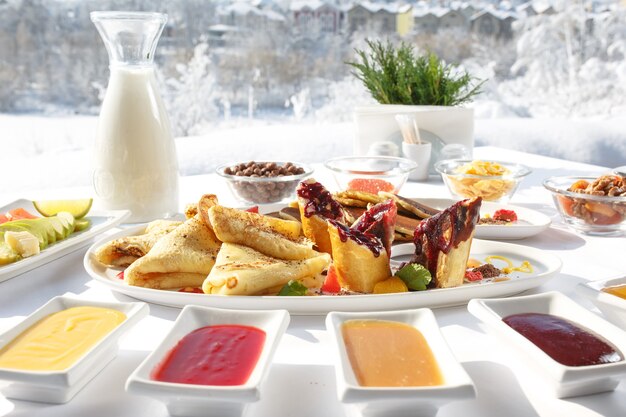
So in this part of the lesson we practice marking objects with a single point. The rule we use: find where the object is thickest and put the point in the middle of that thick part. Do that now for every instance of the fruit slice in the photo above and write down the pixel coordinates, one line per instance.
(19, 214)
(7, 255)
(20, 226)
(82, 224)
(78, 208)
(371, 185)
(68, 220)
(58, 226)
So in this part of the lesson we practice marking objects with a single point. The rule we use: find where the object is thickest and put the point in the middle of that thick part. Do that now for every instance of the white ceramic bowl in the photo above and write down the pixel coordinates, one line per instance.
(564, 381)
(399, 401)
(209, 400)
(611, 306)
(60, 386)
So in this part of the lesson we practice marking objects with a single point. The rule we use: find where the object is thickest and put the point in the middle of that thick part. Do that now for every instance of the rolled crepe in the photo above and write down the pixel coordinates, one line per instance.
(270, 236)
(182, 258)
(240, 270)
(358, 267)
(124, 251)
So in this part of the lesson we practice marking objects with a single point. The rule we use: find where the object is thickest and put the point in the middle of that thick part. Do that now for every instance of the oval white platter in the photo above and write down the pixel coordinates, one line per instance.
(101, 221)
(530, 222)
(545, 266)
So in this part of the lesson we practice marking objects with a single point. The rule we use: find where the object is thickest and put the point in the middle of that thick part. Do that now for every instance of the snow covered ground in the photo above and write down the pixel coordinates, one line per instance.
(39, 152)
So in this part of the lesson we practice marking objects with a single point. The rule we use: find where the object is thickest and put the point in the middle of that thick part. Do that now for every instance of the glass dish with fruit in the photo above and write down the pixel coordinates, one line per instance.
(371, 173)
(263, 182)
(591, 205)
(491, 180)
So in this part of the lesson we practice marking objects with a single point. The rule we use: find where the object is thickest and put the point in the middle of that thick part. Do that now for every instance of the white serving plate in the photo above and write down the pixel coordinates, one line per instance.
(209, 400)
(530, 222)
(546, 265)
(611, 306)
(101, 221)
(60, 386)
(399, 401)
(564, 381)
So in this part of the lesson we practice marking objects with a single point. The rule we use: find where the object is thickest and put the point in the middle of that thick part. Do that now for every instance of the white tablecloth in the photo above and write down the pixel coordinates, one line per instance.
(301, 379)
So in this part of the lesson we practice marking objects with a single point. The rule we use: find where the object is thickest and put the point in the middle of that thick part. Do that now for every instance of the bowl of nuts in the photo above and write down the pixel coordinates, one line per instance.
(264, 182)
(590, 205)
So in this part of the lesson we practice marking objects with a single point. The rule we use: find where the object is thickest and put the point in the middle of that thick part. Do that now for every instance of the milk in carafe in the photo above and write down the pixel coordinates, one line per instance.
(135, 165)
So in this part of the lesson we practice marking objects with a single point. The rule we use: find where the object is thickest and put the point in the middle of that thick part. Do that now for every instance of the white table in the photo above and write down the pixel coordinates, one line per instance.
(301, 379)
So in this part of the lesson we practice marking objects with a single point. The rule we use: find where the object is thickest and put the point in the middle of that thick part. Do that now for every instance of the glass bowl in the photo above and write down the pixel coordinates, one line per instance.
(260, 189)
(498, 187)
(371, 173)
(589, 214)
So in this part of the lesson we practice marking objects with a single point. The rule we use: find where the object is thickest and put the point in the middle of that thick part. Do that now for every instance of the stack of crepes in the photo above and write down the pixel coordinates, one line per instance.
(222, 250)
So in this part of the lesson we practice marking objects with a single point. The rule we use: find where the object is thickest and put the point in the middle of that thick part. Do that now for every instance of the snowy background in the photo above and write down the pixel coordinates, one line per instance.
(557, 88)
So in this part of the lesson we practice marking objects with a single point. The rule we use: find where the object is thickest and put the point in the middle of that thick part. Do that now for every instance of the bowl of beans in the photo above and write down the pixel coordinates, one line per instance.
(264, 182)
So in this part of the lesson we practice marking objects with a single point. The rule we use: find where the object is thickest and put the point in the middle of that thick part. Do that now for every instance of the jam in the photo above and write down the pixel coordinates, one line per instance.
(562, 340)
(445, 230)
(319, 201)
(362, 238)
(379, 221)
(213, 355)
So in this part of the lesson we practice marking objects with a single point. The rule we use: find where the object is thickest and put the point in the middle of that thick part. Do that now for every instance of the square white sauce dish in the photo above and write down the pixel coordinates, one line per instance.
(609, 295)
(412, 371)
(59, 348)
(212, 362)
(572, 350)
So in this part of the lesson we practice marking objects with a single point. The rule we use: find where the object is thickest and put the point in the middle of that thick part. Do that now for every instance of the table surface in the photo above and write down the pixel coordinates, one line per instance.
(301, 380)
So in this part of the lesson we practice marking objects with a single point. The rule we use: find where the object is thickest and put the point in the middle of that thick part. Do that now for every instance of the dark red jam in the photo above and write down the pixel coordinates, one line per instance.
(366, 239)
(319, 201)
(562, 340)
(379, 221)
(443, 231)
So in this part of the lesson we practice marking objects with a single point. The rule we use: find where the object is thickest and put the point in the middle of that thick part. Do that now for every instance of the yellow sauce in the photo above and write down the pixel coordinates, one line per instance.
(59, 340)
(524, 267)
(618, 291)
(389, 354)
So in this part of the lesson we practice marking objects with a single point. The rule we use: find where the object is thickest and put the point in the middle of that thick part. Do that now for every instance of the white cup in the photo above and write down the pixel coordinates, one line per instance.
(419, 153)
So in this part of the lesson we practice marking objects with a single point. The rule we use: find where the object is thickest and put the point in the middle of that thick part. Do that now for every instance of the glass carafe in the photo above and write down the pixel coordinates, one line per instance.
(136, 166)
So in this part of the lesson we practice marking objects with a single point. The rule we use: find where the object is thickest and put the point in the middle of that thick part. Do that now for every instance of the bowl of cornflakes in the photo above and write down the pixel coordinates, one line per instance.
(492, 180)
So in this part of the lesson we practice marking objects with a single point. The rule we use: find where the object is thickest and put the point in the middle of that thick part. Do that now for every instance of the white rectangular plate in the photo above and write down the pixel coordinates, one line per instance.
(100, 221)
(566, 381)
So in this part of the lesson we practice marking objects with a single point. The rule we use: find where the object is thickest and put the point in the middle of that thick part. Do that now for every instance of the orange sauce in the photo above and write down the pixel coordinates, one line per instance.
(618, 290)
(389, 354)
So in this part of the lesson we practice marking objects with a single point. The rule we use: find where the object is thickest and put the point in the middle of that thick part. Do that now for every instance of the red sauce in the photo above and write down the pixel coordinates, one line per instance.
(319, 201)
(120, 275)
(562, 340)
(213, 355)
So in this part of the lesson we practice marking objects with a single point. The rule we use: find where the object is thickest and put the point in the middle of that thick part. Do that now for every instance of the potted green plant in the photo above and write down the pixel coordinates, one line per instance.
(402, 82)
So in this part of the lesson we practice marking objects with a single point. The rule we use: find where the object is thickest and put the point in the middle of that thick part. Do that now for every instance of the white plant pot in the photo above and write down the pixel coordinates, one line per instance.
(438, 125)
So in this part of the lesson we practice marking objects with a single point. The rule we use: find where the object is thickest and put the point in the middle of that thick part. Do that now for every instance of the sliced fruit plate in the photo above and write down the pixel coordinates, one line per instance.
(29, 239)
